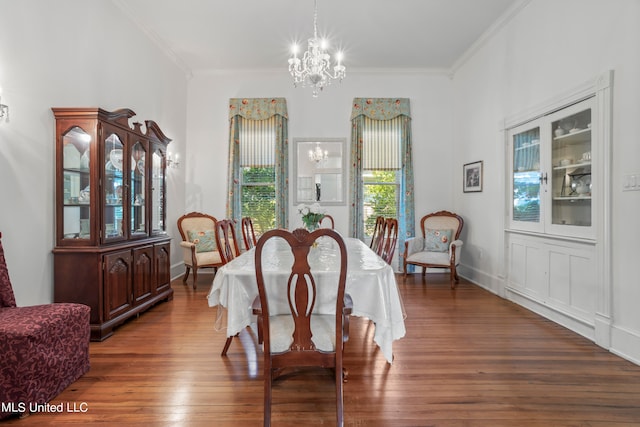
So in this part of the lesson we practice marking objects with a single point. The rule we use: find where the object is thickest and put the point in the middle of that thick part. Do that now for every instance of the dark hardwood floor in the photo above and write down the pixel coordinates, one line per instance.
(469, 358)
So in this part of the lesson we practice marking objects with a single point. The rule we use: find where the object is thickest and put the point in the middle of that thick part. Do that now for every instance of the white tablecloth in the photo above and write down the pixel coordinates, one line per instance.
(370, 282)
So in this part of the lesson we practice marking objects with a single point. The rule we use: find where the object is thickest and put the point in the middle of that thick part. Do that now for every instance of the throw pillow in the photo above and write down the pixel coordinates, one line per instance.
(205, 241)
(437, 240)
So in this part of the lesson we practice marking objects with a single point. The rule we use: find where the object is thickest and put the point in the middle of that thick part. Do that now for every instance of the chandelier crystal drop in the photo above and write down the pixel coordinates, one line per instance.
(314, 69)
(318, 155)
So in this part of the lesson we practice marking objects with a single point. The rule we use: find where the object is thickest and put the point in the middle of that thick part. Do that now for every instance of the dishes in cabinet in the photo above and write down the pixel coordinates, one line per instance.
(116, 158)
(85, 195)
(581, 186)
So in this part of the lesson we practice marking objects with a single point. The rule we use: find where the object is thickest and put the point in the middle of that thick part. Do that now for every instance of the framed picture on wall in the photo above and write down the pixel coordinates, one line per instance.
(472, 177)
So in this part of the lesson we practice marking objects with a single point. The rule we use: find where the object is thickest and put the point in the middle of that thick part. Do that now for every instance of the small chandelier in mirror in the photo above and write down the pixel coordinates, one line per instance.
(314, 69)
(318, 154)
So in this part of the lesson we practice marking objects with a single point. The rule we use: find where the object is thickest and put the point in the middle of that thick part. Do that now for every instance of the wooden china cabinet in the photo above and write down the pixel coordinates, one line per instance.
(112, 249)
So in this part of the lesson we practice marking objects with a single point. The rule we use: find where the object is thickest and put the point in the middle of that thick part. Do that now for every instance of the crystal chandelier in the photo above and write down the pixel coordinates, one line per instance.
(318, 155)
(314, 69)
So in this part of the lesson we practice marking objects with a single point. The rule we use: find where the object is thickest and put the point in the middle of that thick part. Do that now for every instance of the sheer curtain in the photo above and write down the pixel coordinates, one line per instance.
(375, 116)
(258, 136)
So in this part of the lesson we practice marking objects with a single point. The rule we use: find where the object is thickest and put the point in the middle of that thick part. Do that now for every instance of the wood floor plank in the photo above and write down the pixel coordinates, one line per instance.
(469, 359)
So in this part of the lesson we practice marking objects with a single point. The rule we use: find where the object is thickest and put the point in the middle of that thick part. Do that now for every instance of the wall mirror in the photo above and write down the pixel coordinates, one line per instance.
(319, 170)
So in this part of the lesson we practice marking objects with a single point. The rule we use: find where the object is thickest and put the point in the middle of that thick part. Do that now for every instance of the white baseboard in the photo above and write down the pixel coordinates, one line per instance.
(603, 331)
(493, 284)
(626, 344)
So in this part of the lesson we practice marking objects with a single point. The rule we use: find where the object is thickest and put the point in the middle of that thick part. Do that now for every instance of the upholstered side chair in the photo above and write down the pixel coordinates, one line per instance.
(439, 246)
(198, 243)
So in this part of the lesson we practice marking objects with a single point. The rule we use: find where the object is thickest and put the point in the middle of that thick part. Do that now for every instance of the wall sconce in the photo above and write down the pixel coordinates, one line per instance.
(173, 161)
(4, 110)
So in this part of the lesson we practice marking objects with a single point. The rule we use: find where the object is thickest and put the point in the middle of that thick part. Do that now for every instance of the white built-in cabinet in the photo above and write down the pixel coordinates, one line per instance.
(558, 198)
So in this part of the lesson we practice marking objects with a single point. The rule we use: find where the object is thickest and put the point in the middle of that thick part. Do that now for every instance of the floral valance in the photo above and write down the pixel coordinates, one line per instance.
(257, 108)
(380, 108)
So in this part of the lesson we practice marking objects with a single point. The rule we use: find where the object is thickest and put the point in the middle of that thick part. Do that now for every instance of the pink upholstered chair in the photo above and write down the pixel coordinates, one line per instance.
(44, 348)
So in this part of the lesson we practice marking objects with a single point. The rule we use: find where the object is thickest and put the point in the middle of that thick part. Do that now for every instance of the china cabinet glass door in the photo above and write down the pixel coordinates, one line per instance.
(571, 186)
(527, 178)
(76, 179)
(138, 190)
(113, 188)
(158, 165)
(550, 178)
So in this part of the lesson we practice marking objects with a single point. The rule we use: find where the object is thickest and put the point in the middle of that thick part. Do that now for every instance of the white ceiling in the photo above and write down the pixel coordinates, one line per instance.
(374, 34)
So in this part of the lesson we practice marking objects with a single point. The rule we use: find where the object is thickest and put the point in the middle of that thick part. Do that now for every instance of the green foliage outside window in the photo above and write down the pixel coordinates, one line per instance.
(380, 197)
(258, 197)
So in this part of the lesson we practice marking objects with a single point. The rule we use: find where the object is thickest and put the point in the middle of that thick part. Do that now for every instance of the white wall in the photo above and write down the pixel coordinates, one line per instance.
(70, 53)
(325, 116)
(549, 48)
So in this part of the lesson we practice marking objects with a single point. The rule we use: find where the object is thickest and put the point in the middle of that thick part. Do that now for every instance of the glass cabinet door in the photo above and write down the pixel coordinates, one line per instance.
(550, 175)
(76, 175)
(157, 192)
(138, 189)
(113, 188)
(571, 166)
(527, 178)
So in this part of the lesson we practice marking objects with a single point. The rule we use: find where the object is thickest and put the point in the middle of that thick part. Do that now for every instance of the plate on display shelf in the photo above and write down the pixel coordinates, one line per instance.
(116, 158)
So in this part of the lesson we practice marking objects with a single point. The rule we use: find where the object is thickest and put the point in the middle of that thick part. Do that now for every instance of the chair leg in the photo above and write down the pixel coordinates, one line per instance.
(195, 277)
(267, 396)
(453, 276)
(339, 398)
(226, 346)
(186, 275)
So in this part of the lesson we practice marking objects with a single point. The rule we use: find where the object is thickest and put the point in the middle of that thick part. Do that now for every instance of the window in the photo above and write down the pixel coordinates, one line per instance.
(258, 172)
(258, 178)
(381, 191)
(381, 170)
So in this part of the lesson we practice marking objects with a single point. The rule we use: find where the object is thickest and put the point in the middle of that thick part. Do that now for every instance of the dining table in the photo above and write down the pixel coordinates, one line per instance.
(371, 284)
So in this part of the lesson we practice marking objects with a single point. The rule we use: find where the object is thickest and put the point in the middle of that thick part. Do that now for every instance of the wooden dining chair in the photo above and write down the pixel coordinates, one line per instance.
(329, 221)
(388, 245)
(226, 240)
(228, 247)
(299, 335)
(248, 233)
(378, 234)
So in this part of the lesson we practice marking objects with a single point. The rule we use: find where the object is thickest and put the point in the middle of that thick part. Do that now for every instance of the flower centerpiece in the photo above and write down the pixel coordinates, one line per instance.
(311, 215)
